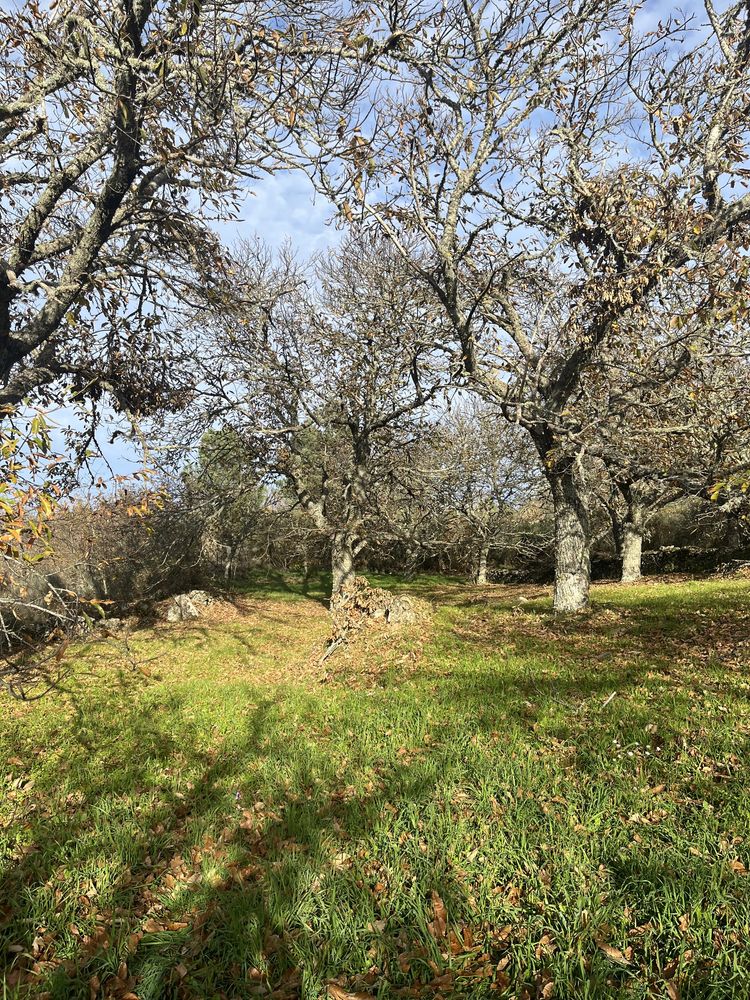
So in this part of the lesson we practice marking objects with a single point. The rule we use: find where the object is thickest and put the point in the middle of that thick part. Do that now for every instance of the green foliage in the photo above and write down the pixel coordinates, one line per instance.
(226, 483)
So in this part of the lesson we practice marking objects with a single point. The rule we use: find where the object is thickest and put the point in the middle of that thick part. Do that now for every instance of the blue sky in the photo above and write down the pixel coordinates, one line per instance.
(283, 206)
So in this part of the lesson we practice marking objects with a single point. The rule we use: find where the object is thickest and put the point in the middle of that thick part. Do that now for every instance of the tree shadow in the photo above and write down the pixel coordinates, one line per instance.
(272, 583)
(191, 864)
(251, 892)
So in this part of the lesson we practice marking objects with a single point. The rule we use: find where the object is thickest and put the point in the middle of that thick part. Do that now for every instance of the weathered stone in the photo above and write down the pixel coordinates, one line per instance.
(112, 624)
(188, 607)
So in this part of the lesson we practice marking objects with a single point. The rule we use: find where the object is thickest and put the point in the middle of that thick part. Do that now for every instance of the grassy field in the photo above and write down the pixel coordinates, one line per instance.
(493, 804)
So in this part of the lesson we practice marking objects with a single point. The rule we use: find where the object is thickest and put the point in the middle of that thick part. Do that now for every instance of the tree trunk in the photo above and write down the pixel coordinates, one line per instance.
(342, 563)
(632, 546)
(618, 528)
(480, 577)
(632, 537)
(228, 563)
(572, 539)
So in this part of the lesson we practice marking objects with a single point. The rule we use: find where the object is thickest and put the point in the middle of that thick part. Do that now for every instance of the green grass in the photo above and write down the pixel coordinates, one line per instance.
(574, 793)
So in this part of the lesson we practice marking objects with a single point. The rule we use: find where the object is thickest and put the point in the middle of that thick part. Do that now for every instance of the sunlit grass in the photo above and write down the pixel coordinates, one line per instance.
(574, 792)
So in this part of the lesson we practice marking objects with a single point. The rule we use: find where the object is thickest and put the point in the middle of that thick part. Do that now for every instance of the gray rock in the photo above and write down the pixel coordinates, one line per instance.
(112, 624)
(188, 607)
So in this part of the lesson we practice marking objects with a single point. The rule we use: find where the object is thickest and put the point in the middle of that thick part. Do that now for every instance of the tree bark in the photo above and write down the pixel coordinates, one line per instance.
(480, 577)
(632, 536)
(342, 563)
(618, 528)
(230, 563)
(572, 539)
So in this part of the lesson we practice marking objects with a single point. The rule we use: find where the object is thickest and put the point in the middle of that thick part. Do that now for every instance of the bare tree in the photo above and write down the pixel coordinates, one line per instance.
(473, 479)
(562, 170)
(667, 422)
(327, 374)
(127, 127)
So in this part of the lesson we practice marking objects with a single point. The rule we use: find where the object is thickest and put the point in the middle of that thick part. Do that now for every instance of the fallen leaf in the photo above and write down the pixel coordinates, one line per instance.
(456, 946)
(337, 992)
(513, 897)
(439, 924)
(614, 954)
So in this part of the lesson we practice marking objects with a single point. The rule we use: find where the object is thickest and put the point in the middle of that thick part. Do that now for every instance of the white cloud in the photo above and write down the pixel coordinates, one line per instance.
(284, 206)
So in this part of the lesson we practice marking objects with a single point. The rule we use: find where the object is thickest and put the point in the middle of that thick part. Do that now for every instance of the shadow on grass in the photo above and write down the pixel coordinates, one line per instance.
(621, 639)
(271, 583)
(192, 912)
(166, 861)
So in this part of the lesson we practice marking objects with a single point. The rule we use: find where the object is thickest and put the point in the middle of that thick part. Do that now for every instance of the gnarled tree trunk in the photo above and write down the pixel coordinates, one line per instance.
(342, 563)
(572, 538)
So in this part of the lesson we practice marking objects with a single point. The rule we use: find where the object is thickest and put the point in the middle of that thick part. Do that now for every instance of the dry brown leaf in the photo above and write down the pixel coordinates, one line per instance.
(612, 953)
(455, 944)
(337, 992)
(513, 897)
(439, 924)
(673, 990)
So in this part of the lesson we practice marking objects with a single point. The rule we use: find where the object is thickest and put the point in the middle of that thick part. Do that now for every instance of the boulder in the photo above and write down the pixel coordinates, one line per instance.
(189, 606)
